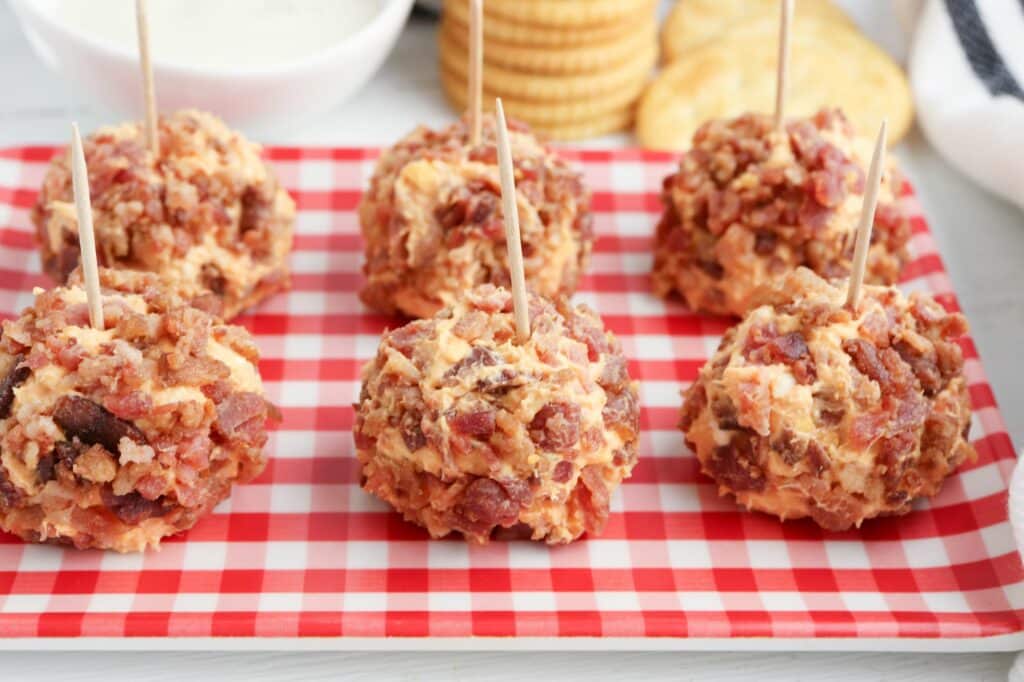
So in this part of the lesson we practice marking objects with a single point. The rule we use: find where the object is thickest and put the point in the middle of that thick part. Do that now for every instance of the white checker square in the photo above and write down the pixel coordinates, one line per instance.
(608, 554)
(954, 602)
(191, 602)
(316, 175)
(925, 552)
(205, 556)
(689, 554)
(847, 555)
(450, 601)
(448, 555)
(366, 554)
(629, 176)
(617, 601)
(528, 555)
(649, 347)
(533, 601)
(769, 553)
(633, 224)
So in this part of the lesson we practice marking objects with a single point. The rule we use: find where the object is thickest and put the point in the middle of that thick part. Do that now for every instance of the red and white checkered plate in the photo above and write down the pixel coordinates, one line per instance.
(303, 555)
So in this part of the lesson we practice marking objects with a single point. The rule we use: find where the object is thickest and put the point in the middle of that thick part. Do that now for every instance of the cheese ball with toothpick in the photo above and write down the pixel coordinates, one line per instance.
(463, 429)
(811, 409)
(118, 437)
(206, 214)
(749, 204)
(432, 219)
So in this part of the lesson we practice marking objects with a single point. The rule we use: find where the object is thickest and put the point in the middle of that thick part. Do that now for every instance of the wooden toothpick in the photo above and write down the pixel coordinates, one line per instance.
(867, 219)
(86, 238)
(782, 72)
(511, 210)
(148, 89)
(476, 68)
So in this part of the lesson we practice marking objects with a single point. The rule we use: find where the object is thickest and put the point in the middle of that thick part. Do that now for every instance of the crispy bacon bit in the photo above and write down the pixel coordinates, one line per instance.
(696, 399)
(585, 331)
(594, 498)
(733, 465)
(478, 424)
(412, 431)
(90, 423)
(923, 365)
(614, 374)
(471, 326)
(405, 338)
(132, 508)
(622, 409)
(64, 453)
(241, 416)
(10, 496)
(18, 374)
(129, 406)
(556, 426)
(477, 357)
(765, 243)
(562, 472)
(485, 504)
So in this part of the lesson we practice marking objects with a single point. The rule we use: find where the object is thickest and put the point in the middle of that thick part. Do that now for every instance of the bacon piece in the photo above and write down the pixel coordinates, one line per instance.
(17, 375)
(477, 424)
(562, 472)
(622, 409)
(581, 328)
(923, 365)
(133, 508)
(556, 426)
(242, 416)
(92, 424)
(594, 498)
(477, 357)
(412, 431)
(733, 465)
(129, 406)
(485, 504)
(406, 338)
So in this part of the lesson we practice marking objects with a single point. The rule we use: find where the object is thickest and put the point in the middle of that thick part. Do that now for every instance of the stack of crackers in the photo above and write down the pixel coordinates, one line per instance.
(720, 61)
(571, 69)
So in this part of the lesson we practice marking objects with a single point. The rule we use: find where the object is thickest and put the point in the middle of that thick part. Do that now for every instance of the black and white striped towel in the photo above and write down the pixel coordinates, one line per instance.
(967, 72)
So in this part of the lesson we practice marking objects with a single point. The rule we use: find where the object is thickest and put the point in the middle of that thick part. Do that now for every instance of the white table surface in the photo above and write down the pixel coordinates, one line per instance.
(980, 237)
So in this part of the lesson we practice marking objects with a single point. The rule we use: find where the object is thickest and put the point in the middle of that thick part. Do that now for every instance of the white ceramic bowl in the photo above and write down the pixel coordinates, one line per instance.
(252, 98)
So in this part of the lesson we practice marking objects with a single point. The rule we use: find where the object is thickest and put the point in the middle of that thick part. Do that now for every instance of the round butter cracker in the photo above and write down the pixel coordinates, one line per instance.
(563, 60)
(830, 66)
(565, 13)
(551, 115)
(559, 88)
(692, 23)
(502, 30)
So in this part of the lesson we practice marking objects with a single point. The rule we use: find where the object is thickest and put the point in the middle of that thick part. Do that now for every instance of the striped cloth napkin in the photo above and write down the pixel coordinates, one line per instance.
(966, 65)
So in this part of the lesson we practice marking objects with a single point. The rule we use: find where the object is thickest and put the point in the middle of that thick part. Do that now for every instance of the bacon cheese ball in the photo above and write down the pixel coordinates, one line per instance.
(432, 219)
(117, 438)
(750, 204)
(462, 429)
(206, 212)
(808, 409)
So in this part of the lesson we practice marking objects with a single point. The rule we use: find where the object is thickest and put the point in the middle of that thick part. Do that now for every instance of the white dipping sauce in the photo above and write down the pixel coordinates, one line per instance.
(231, 34)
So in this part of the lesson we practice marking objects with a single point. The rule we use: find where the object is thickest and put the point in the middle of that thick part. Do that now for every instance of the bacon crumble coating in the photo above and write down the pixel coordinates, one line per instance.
(207, 214)
(117, 438)
(749, 204)
(807, 409)
(461, 429)
(433, 226)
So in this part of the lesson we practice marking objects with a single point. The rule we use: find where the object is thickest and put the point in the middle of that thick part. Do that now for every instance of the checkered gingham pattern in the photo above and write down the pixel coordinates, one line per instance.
(303, 551)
